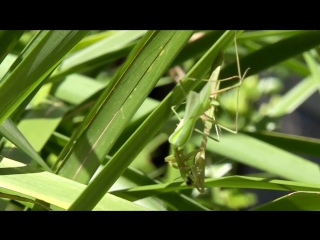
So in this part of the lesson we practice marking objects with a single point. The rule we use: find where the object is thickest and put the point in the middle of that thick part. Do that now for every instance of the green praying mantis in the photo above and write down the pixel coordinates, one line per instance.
(199, 105)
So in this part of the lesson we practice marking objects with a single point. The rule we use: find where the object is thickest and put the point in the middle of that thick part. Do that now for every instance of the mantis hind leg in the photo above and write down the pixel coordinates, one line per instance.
(212, 138)
(218, 130)
(217, 125)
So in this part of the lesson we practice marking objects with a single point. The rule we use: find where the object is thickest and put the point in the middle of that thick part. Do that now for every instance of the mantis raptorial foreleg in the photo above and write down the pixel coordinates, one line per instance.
(209, 120)
(193, 174)
(199, 105)
(181, 159)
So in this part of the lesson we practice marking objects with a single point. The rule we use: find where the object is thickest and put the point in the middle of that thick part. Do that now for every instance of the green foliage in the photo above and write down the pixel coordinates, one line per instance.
(82, 129)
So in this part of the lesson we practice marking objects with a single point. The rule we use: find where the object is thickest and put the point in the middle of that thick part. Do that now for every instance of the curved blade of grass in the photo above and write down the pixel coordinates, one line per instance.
(313, 67)
(40, 123)
(294, 98)
(297, 67)
(96, 62)
(5, 69)
(121, 99)
(176, 201)
(291, 143)
(5, 65)
(34, 41)
(180, 202)
(247, 150)
(77, 88)
(92, 38)
(148, 106)
(98, 54)
(8, 40)
(34, 98)
(197, 47)
(297, 201)
(122, 159)
(293, 64)
(227, 182)
(22, 199)
(51, 188)
(271, 55)
(107, 45)
(35, 67)
(144, 110)
(17, 60)
(9, 130)
(258, 35)
(299, 93)
(59, 139)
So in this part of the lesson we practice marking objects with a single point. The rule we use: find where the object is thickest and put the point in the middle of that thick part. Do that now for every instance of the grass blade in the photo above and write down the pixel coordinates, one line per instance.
(226, 182)
(247, 150)
(8, 40)
(290, 143)
(314, 67)
(37, 184)
(35, 67)
(294, 98)
(98, 54)
(298, 201)
(272, 54)
(9, 130)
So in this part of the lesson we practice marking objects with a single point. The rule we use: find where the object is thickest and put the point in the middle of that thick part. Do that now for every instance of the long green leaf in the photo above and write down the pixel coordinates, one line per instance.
(98, 54)
(272, 54)
(297, 201)
(8, 40)
(77, 88)
(35, 67)
(9, 130)
(51, 188)
(291, 143)
(314, 68)
(258, 35)
(226, 182)
(294, 98)
(93, 38)
(40, 122)
(174, 200)
(22, 199)
(261, 155)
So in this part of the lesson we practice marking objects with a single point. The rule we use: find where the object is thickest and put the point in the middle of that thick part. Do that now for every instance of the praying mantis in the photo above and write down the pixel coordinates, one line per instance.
(199, 105)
